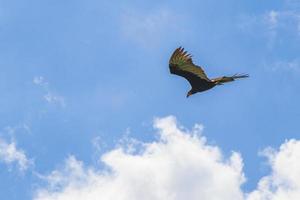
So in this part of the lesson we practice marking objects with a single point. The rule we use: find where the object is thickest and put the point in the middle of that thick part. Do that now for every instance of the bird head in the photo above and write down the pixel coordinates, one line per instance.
(189, 93)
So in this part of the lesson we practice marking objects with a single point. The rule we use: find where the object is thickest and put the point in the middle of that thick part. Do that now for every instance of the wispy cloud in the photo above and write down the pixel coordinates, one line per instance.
(283, 20)
(10, 154)
(22, 127)
(278, 30)
(39, 80)
(293, 65)
(273, 24)
(49, 96)
(272, 18)
(149, 28)
(54, 99)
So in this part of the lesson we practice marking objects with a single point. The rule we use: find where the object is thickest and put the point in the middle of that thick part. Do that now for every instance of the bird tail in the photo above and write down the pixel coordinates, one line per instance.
(225, 79)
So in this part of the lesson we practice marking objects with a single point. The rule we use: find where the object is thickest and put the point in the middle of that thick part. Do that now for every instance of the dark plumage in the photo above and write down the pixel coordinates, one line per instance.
(181, 64)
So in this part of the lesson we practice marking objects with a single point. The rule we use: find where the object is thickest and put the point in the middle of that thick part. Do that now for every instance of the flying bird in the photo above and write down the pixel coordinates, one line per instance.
(181, 64)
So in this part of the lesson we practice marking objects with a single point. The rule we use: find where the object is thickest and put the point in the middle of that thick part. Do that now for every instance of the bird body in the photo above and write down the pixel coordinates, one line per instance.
(181, 64)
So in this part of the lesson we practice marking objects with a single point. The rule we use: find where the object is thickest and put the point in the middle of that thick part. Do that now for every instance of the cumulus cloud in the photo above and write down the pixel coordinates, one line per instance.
(10, 154)
(284, 181)
(180, 165)
(49, 96)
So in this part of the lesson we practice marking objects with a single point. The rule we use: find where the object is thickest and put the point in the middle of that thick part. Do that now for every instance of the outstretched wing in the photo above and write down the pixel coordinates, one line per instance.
(181, 64)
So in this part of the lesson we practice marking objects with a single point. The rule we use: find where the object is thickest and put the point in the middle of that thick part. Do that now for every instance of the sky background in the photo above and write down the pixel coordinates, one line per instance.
(78, 76)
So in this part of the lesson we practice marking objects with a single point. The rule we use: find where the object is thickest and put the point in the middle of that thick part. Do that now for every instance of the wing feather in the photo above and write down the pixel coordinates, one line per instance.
(181, 64)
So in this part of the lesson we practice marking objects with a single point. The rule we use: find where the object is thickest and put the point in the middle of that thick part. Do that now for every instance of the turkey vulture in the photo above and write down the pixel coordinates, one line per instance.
(181, 64)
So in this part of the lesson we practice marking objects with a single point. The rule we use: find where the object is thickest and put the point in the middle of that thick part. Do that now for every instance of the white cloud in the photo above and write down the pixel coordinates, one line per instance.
(284, 181)
(49, 96)
(55, 99)
(9, 154)
(180, 165)
(39, 80)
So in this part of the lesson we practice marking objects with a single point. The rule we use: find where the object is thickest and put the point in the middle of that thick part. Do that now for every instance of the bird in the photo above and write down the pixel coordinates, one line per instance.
(181, 64)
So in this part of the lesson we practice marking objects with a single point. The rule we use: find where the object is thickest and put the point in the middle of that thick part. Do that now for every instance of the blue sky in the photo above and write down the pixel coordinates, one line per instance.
(76, 76)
